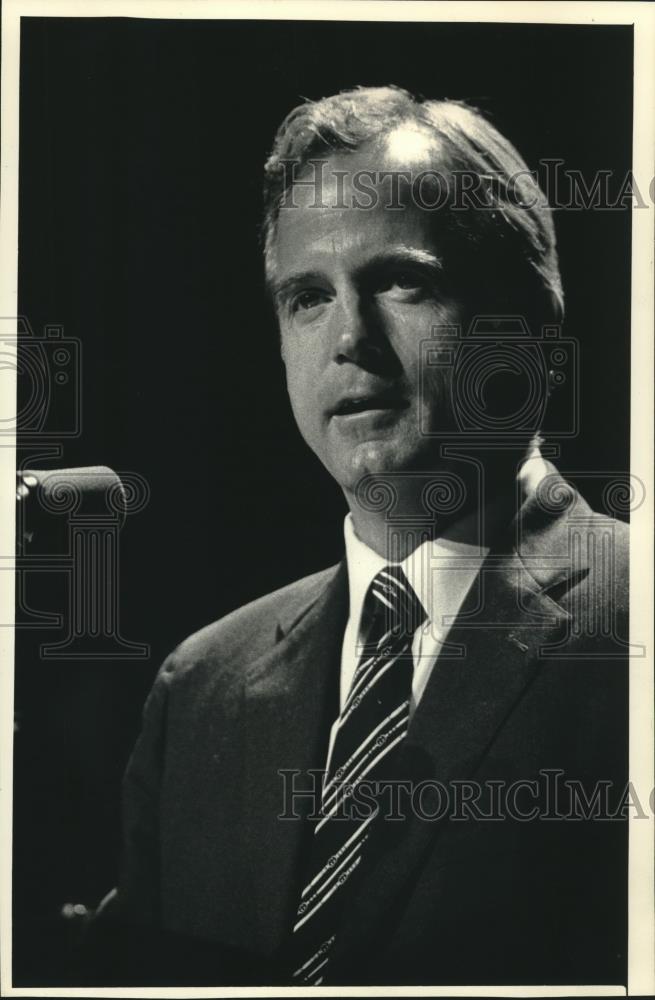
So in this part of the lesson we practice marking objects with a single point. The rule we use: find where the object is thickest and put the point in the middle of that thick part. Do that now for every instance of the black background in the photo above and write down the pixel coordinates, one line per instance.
(141, 153)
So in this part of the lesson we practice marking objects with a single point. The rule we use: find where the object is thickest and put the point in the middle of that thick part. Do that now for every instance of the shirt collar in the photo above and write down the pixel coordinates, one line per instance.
(448, 553)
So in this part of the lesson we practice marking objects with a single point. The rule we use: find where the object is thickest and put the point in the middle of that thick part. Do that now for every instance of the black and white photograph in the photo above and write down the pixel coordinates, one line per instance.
(327, 364)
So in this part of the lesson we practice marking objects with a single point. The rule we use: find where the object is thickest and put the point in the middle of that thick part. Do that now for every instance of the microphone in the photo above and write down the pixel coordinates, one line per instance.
(76, 516)
(87, 491)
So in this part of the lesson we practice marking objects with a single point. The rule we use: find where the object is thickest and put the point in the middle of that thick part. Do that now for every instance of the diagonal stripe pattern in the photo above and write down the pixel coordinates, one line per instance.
(370, 730)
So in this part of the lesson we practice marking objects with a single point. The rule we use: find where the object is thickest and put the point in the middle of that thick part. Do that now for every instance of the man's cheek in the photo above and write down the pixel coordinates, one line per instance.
(306, 413)
(435, 394)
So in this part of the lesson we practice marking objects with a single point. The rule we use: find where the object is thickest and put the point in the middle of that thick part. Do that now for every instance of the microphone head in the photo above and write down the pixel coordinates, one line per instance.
(94, 490)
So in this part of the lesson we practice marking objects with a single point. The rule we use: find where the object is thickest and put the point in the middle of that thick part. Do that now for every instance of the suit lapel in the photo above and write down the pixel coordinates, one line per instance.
(290, 700)
(505, 620)
(501, 628)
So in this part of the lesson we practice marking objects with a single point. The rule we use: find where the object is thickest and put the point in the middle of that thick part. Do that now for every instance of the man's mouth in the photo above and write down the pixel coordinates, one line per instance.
(374, 401)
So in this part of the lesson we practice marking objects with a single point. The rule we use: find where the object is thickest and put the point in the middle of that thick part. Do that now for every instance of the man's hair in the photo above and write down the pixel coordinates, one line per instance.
(505, 250)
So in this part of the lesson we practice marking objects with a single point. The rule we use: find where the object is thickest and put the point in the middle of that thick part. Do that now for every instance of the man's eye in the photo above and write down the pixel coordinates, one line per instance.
(403, 282)
(308, 299)
(406, 280)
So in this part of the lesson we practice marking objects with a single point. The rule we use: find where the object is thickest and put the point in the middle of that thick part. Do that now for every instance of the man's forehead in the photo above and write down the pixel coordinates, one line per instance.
(347, 235)
(353, 204)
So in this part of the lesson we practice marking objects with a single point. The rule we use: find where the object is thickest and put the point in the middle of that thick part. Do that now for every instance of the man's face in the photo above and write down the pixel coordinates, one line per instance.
(357, 290)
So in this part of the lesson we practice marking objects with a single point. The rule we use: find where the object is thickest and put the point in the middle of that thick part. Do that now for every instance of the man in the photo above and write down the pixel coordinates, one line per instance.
(458, 651)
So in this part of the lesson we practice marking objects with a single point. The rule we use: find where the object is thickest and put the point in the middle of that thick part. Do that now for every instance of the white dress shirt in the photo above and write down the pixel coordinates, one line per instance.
(441, 571)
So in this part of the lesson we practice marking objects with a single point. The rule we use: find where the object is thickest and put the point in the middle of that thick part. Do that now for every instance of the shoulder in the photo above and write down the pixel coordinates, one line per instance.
(598, 586)
(605, 544)
(245, 634)
(571, 546)
(611, 534)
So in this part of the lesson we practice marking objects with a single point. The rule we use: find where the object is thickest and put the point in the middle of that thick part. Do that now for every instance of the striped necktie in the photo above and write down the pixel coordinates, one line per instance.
(371, 727)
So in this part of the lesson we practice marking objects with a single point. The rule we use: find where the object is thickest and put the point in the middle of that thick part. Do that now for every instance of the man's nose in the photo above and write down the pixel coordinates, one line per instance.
(356, 338)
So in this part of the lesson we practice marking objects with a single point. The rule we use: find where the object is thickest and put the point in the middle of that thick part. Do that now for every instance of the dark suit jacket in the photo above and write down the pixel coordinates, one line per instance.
(534, 682)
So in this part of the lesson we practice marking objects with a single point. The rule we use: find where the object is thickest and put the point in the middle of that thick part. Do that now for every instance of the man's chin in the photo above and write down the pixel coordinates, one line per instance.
(372, 460)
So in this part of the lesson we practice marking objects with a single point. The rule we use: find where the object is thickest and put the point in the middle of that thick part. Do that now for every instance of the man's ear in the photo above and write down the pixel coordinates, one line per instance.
(549, 311)
(556, 303)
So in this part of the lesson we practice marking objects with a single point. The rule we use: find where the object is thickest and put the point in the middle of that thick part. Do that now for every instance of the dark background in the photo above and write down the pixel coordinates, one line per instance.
(141, 153)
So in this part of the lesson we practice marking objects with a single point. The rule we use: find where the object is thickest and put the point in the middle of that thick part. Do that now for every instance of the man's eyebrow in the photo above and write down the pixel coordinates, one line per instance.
(394, 255)
(279, 287)
(405, 255)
